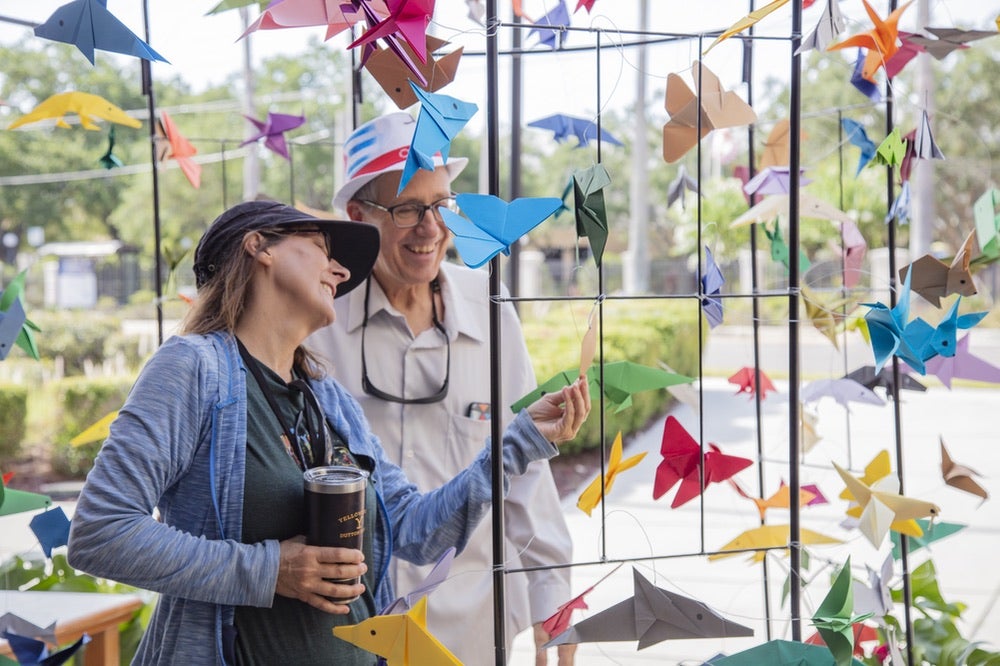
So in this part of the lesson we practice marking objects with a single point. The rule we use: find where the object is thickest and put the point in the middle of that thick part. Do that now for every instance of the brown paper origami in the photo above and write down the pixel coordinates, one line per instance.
(934, 279)
(394, 76)
(960, 476)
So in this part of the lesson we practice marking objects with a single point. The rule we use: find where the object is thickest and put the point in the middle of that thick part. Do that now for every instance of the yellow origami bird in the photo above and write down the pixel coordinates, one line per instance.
(881, 507)
(769, 536)
(401, 639)
(85, 105)
(97, 432)
(590, 497)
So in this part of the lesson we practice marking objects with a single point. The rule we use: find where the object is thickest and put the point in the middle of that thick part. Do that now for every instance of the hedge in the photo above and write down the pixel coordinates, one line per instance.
(81, 403)
(648, 332)
(14, 407)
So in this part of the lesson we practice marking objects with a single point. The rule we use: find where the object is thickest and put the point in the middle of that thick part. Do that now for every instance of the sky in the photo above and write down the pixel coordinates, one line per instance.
(203, 49)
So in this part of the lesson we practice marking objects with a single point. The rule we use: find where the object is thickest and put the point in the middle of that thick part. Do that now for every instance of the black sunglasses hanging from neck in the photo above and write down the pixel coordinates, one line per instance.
(311, 422)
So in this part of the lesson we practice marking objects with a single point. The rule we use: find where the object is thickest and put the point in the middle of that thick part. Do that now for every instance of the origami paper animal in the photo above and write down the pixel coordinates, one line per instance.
(773, 180)
(591, 213)
(437, 575)
(85, 105)
(946, 40)
(924, 145)
(681, 183)
(588, 345)
(907, 51)
(875, 598)
(768, 537)
(827, 313)
(711, 289)
(830, 25)
(776, 206)
(780, 652)
(440, 120)
(601, 486)
(15, 327)
(856, 134)
(843, 391)
(887, 331)
(862, 633)
(564, 126)
(272, 129)
(745, 378)
(864, 86)
(394, 77)
(987, 218)
(407, 20)
(960, 476)
(589, 4)
(866, 376)
(380, 25)
(780, 499)
(890, 152)
(835, 618)
(900, 208)
(963, 365)
(780, 251)
(171, 144)
(19, 501)
(31, 651)
(933, 279)
(558, 16)
(109, 160)
(621, 380)
(88, 25)
(940, 340)
(853, 249)
(493, 225)
(750, 19)
(16, 624)
(880, 41)
(682, 462)
(477, 11)
(558, 622)
(881, 507)
(51, 528)
(337, 17)
(808, 429)
(718, 108)
(932, 531)
(402, 639)
(651, 615)
(776, 146)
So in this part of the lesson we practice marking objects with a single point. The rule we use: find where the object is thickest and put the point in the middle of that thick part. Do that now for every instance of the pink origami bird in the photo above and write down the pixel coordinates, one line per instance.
(303, 13)
(273, 129)
(173, 145)
(407, 20)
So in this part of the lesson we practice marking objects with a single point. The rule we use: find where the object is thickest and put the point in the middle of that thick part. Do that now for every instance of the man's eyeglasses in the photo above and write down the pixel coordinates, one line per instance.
(375, 392)
(406, 215)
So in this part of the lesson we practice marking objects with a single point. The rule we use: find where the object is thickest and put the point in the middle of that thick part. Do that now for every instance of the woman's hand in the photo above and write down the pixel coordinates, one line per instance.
(558, 416)
(304, 571)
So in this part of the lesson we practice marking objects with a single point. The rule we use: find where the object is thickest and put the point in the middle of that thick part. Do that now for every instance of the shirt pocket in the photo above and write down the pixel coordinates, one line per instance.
(466, 438)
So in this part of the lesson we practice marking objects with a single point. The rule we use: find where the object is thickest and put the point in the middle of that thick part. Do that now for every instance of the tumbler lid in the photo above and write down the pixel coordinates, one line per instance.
(335, 479)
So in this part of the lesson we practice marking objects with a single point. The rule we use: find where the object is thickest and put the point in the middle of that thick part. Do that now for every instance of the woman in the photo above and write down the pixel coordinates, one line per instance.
(205, 438)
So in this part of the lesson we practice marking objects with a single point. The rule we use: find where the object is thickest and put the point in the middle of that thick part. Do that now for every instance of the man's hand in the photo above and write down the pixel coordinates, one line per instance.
(566, 652)
(559, 415)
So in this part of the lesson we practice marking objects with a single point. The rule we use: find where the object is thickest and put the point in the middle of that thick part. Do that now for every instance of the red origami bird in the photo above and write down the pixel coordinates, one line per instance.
(682, 460)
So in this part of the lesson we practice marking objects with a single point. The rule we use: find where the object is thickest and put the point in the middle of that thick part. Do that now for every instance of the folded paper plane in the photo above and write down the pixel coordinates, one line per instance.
(681, 183)
(830, 25)
(651, 615)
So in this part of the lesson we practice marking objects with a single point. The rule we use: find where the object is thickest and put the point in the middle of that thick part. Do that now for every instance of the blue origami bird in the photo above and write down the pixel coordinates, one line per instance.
(441, 118)
(493, 224)
(857, 136)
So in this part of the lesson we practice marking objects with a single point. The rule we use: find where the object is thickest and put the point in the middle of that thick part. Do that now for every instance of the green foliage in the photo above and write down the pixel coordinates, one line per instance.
(78, 337)
(644, 332)
(14, 407)
(83, 402)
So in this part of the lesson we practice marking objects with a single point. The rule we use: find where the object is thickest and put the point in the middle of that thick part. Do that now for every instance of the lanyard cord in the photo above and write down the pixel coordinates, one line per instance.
(287, 432)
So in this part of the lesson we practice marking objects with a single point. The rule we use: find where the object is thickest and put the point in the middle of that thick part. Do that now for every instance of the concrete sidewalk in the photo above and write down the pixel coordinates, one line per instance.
(639, 527)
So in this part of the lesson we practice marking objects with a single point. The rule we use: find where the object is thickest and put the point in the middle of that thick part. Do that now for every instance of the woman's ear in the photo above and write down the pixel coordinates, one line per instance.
(254, 245)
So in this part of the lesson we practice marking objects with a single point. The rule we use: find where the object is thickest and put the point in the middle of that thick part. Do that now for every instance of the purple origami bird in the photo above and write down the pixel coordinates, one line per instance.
(273, 131)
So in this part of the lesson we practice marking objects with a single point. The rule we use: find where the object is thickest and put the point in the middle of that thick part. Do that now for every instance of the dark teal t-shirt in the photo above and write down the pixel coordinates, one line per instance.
(290, 632)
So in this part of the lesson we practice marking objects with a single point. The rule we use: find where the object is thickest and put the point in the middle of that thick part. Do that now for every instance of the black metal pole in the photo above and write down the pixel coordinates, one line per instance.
(496, 397)
(147, 90)
(795, 506)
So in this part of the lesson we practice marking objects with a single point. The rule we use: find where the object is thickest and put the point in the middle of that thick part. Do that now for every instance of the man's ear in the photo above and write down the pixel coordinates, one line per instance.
(355, 211)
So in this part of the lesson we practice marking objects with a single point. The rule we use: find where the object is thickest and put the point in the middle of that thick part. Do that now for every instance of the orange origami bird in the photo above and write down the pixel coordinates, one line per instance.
(882, 41)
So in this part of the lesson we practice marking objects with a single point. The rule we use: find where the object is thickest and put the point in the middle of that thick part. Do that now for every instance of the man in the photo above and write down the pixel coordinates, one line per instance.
(413, 345)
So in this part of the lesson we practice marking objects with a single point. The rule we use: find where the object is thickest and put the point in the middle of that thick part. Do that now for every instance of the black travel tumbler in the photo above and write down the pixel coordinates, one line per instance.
(335, 510)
